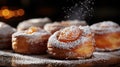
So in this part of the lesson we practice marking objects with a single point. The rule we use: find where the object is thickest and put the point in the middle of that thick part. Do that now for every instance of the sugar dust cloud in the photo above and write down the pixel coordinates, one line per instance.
(81, 10)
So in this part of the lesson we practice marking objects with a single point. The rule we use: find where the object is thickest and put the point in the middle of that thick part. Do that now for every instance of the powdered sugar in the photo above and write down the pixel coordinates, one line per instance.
(63, 45)
(39, 22)
(105, 27)
(86, 30)
(31, 38)
(6, 30)
(52, 27)
(70, 33)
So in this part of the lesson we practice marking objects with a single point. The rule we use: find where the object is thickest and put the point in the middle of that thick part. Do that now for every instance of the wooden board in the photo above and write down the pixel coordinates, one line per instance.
(9, 58)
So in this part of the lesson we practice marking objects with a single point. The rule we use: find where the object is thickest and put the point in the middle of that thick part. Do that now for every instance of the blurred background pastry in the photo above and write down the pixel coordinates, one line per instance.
(53, 27)
(107, 35)
(73, 22)
(38, 22)
(6, 32)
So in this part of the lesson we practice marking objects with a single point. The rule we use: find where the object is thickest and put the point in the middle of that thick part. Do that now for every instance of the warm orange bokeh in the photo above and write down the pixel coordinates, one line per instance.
(7, 14)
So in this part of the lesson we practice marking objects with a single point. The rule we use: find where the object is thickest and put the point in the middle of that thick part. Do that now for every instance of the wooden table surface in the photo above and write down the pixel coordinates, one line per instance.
(104, 59)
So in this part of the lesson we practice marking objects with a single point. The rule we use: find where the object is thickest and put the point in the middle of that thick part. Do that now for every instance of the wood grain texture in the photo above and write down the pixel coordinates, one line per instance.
(9, 58)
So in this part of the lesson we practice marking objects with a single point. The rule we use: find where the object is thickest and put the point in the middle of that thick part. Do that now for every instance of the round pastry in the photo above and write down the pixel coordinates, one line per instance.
(6, 32)
(31, 41)
(53, 27)
(71, 43)
(38, 22)
(73, 22)
(107, 35)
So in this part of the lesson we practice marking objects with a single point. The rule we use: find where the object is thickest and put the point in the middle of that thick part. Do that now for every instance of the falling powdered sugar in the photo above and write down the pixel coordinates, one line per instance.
(80, 9)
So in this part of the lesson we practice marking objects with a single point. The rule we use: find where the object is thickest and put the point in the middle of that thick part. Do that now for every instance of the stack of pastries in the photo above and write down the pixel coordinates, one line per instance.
(70, 39)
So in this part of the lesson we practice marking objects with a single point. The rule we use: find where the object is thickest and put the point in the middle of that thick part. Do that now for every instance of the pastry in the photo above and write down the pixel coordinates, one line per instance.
(107, 36)
(31, 41)
(6, 32)
(53, 27)
(38, 22)
(71, 43)
(73, 22)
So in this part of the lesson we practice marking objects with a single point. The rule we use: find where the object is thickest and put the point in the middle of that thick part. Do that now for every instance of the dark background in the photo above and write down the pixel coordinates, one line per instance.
(55, 9)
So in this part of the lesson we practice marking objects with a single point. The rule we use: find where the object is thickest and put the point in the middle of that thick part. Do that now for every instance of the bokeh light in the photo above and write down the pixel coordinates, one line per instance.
(7, 13)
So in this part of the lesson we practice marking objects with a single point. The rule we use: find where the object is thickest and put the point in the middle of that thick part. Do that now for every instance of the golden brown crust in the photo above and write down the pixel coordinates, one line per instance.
(67, 49)
(21, 45)
(76, 53)
(108, 41)
(107, 36)
(30, 43)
